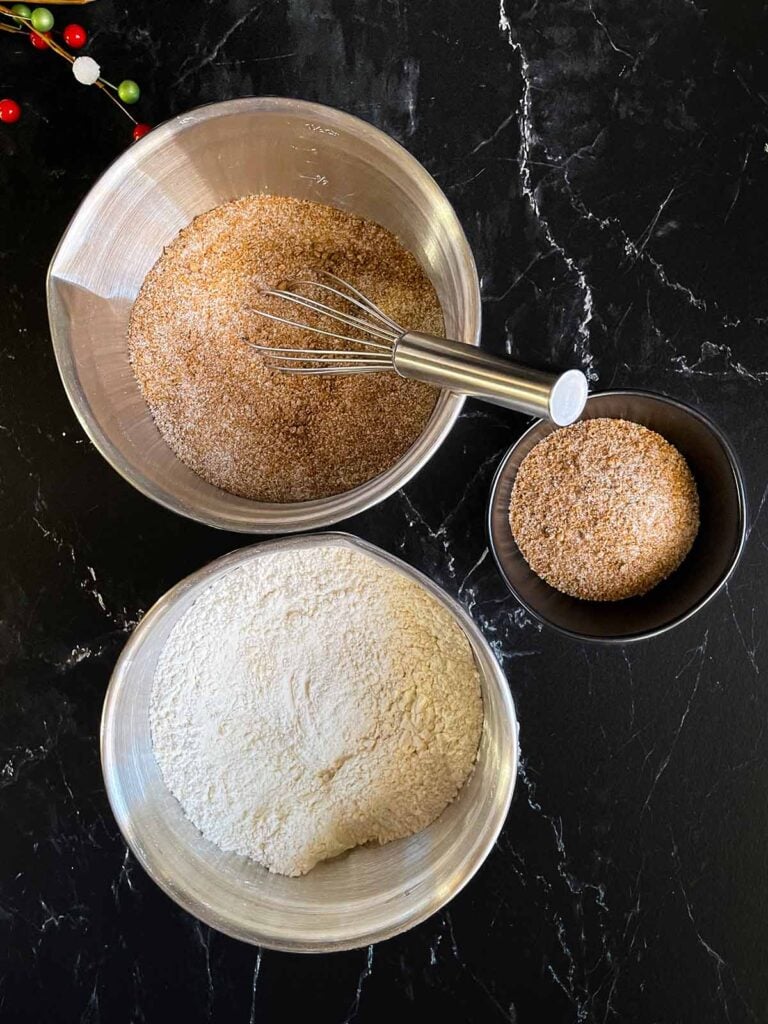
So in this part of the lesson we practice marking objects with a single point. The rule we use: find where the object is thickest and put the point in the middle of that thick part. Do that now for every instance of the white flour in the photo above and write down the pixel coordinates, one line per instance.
(313, 701)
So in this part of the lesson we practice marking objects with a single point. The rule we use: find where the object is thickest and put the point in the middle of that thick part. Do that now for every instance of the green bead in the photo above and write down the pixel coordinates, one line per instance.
(22, 11)
(42, 19)
(128, 91)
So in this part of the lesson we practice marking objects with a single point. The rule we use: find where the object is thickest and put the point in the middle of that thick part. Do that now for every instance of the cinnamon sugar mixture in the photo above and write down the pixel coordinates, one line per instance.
(255, 432)
(604, 509)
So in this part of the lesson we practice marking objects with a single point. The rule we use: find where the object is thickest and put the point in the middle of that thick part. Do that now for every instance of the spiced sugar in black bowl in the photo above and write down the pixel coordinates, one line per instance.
(704, 571)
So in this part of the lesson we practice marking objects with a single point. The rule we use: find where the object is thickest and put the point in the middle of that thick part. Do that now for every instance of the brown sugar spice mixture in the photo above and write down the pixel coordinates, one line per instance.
(604, 509)
(255, 432)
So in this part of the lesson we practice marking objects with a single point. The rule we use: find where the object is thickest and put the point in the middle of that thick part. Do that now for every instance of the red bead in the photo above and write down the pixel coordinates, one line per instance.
(39, 42)
(10, 111)
(140, 130)
(75, 36)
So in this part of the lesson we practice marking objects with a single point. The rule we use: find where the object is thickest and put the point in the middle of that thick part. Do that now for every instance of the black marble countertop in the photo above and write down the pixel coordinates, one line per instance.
(609, 164)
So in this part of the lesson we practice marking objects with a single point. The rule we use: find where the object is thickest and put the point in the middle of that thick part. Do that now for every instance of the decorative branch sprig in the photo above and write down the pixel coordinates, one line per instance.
(38, 23)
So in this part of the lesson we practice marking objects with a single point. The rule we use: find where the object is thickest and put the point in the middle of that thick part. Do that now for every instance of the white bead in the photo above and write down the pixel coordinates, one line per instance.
(86, 70)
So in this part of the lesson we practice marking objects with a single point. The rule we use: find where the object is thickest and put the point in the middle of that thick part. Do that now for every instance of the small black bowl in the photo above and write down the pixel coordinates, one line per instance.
(705, 570)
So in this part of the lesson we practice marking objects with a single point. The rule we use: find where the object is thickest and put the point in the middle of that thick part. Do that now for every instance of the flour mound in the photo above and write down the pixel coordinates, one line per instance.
(313, 701)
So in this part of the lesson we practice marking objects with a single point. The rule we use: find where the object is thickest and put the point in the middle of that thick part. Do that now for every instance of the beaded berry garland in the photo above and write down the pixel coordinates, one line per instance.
(37, 22)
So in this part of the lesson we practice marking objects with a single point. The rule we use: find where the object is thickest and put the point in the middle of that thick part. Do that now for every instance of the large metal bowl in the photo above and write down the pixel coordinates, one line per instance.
(183, 168)
(366, 895)
(703, 573)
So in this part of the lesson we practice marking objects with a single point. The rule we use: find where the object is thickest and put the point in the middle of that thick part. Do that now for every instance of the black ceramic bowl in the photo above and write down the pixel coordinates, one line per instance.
(710, 561)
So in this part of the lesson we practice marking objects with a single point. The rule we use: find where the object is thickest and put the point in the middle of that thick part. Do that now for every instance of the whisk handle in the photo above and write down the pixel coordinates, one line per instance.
(559, 397)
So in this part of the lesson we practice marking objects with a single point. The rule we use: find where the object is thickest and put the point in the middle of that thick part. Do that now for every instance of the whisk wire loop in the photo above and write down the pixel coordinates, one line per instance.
(345, 318)
(380, 332)
(364, 302)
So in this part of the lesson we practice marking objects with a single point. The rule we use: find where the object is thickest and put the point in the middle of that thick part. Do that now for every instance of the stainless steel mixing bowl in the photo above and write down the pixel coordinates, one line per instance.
(363, 896)
(707, 567)
(183, 168)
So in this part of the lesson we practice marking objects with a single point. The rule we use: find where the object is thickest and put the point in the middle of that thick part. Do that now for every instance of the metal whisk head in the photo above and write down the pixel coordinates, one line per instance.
(375, 353)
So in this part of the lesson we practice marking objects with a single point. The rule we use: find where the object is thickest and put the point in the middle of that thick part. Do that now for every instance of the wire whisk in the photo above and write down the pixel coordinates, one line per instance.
(383, 345)
(375, 356)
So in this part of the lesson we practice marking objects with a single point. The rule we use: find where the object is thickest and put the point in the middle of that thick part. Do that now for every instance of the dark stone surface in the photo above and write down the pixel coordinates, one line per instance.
(608, 162)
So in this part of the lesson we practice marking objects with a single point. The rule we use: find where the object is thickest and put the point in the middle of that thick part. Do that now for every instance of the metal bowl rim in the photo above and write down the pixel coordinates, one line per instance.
(120, 677)
(319, 518)
(627, 638)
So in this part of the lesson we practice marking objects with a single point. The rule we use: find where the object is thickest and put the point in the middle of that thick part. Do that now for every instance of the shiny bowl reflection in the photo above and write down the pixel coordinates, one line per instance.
(188, 166)
(364, 896)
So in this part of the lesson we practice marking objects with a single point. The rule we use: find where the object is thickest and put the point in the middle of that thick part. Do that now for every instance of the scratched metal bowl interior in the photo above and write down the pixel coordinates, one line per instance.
(363, 896)
(183, 168)
(705, 570)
